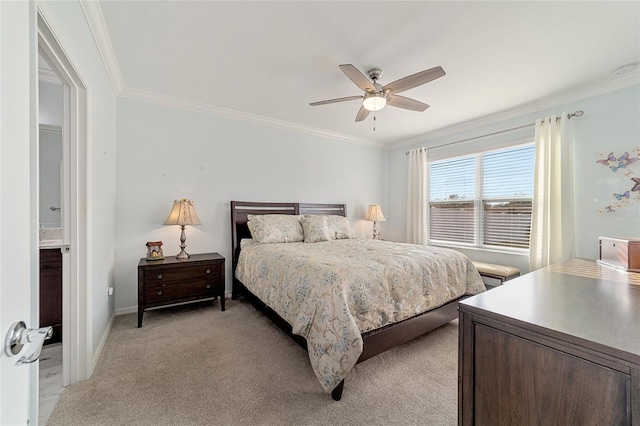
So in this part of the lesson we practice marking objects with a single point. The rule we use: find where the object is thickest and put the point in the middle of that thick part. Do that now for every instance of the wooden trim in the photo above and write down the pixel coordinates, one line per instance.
(323, 209)
(77, 303)
(381, 340)
(634, 396)
(465, 368)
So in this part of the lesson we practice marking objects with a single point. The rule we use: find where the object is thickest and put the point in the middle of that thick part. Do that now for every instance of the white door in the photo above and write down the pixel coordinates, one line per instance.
(18, 227)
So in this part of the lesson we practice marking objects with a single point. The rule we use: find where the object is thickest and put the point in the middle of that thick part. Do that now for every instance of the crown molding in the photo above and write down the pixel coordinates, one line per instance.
(594, 89)
(97, 25)
(98, 28)
(95, 19)
(155, 98)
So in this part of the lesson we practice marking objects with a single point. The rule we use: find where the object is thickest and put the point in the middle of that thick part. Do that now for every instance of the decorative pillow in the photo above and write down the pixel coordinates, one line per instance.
(245, 242)
(339, 227)
(315, 229)
(275, 228)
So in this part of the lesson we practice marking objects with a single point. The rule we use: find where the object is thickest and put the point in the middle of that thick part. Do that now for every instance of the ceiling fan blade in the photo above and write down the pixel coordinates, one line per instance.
(333, 101)
(406, 103)
(414, 80)
(362, 114)
(357, 77)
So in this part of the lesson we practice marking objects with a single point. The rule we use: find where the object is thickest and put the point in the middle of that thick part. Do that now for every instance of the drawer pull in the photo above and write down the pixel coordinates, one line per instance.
(208, 285)
(208, 271)
(159, 276)
(159, 293)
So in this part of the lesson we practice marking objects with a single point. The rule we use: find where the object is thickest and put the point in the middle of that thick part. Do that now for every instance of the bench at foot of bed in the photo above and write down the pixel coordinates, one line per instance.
(497, 272)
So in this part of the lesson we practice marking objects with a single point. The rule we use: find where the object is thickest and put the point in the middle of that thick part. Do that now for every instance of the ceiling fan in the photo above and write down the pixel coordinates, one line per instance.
(376, 96)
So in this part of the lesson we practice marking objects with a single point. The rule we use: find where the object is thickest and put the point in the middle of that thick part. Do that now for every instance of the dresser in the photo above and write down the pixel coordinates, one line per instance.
(557, 346)
(170, 281)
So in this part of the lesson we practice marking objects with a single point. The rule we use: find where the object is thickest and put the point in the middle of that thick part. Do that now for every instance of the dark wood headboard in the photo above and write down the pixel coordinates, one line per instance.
(240, 210)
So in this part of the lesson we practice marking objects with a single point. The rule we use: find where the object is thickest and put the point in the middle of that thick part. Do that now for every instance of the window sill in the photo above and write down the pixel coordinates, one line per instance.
(512, 252)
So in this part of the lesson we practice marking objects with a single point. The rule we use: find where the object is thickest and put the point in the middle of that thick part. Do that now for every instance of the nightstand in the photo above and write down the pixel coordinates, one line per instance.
(170, 281)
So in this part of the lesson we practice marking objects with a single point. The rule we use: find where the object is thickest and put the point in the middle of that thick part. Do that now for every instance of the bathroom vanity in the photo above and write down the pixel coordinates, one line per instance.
(51, 291)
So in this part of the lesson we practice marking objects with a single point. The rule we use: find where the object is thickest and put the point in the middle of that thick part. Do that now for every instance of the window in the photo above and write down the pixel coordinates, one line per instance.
(483, 199)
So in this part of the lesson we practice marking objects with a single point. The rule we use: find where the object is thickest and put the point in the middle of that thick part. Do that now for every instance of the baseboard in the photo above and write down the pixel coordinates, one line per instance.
(103, 341)
(134, 309)
(128, 310)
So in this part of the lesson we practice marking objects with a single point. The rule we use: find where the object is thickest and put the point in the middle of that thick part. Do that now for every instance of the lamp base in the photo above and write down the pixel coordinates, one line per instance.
(183, 239)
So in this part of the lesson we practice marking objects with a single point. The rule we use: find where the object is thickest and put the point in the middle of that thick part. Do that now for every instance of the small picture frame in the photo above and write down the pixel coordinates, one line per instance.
(154, 250)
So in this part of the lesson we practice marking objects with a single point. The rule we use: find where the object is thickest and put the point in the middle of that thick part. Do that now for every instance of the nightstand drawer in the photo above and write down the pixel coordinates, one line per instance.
(194, 272)
(199, 289)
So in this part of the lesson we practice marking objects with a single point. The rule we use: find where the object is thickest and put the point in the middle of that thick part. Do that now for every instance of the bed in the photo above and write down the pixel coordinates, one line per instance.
(343, 299)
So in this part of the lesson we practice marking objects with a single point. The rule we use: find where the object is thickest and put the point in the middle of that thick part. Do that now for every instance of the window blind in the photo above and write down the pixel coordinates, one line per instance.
(453, 222)
(453, 179)
(483, 199)
(507, 224)
(508, 173)
(507, 198)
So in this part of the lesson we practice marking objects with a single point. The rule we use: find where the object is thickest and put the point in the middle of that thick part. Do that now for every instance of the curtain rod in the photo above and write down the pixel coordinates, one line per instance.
(578, 113)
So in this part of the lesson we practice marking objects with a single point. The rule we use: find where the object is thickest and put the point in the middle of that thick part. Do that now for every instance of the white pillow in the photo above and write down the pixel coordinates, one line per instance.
(315, 229)
(275, 228)
(339, 227)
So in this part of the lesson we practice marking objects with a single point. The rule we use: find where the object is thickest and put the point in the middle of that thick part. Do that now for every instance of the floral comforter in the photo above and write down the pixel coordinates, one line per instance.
(332, 291)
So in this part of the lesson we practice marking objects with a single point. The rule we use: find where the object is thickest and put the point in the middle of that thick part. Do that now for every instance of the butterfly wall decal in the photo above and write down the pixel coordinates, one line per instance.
(625, 158)
(620, 165)
(622, 161)
(636, 181)
(621, 196)
(610, 157)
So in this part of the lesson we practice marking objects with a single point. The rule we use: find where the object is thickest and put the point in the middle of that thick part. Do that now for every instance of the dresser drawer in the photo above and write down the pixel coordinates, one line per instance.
(184, 274)
(191, 289)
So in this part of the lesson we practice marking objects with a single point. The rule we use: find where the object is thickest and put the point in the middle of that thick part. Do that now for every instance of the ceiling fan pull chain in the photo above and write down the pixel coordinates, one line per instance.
(374, 122)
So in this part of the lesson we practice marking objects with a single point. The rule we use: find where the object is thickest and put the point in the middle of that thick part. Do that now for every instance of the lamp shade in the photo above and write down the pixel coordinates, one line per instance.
(183, 212)
(374, 214)
(374, 101)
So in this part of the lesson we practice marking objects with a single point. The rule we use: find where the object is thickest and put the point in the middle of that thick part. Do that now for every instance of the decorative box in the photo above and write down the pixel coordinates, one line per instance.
(621, 253)
(154, 250)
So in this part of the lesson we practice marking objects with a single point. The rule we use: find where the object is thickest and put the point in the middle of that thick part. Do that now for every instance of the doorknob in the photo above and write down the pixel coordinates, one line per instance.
(19, 336)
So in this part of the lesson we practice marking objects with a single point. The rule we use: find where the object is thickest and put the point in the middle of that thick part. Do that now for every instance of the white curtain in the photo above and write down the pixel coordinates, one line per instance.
(417, 197)
(552, 231)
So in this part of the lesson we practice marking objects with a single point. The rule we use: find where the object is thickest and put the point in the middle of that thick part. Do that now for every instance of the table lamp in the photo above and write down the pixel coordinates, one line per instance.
(374, 215)
(183, 213)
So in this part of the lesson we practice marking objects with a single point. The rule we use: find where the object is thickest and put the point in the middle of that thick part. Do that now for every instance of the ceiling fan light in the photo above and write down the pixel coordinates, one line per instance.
(374, 101)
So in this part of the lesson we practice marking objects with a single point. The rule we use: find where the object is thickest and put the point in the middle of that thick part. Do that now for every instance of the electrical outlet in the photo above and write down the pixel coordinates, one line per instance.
(110, 291)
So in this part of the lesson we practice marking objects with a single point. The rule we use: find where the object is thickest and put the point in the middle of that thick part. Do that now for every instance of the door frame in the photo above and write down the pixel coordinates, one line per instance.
(76, 307)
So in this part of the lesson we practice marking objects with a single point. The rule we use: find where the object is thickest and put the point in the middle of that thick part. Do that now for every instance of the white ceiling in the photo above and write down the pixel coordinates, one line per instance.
(266, 61)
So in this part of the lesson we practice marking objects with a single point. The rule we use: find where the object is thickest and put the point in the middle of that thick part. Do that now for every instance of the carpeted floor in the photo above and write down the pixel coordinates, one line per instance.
(196, 365)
